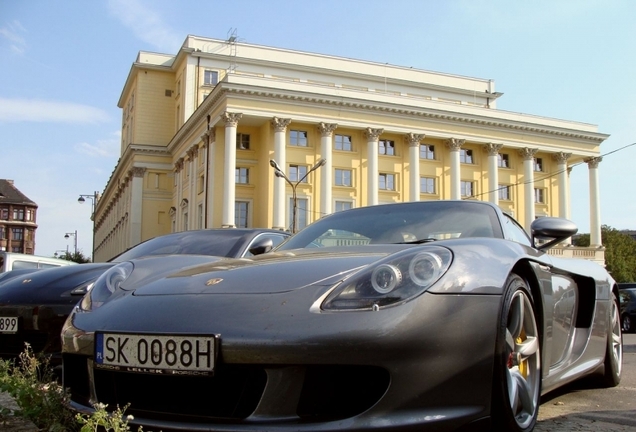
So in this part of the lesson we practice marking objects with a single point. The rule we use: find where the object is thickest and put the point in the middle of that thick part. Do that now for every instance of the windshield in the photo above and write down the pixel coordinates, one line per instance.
(400, 223)
(202, 242)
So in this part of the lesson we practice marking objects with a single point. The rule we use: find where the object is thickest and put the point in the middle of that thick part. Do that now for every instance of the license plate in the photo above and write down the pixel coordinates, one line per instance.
(156, 354)
(8, 324)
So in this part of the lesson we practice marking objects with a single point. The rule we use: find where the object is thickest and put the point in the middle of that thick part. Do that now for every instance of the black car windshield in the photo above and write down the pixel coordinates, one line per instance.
(201, 242)
(400, 223)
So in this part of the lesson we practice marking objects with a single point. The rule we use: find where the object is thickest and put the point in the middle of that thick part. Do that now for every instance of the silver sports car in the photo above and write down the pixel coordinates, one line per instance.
(427, 316)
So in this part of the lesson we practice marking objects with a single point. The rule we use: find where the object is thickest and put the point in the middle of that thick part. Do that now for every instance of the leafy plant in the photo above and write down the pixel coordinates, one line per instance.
(40, 398)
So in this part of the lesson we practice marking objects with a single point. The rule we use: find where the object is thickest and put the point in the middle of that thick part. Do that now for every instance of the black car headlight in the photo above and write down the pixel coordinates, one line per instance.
(395, 279)
(106, 285)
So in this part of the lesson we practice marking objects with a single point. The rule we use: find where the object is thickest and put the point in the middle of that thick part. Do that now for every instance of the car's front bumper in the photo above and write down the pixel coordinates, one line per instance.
(423, 365)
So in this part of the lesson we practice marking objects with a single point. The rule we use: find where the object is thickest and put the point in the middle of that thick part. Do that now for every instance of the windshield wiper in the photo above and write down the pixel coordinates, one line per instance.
(420, 241)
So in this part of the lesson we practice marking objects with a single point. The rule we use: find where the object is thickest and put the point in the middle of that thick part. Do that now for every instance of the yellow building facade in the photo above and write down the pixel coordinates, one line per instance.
(200, 128)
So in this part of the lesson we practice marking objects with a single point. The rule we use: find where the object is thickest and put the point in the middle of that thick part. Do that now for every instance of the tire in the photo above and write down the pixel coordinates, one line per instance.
(626, 324)
(517, 372)
(614, 351)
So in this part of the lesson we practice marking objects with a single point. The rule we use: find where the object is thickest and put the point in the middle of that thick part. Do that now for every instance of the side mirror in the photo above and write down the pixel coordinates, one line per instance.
(554, 230)
(261, 246)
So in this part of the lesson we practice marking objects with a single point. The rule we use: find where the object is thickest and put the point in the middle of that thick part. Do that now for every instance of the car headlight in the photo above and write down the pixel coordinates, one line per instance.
(395, 279)
(106, 285)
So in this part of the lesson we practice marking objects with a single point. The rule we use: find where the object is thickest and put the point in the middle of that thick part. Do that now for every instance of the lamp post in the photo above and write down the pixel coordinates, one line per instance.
(74, 234)
(279, 173)
(94, 198)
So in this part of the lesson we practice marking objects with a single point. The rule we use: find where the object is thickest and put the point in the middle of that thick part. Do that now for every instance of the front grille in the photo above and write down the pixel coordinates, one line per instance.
(329, 392)
(232, 393)
(337, 392)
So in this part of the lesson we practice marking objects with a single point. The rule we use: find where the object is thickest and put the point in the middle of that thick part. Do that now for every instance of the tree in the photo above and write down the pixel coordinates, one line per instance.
(620, 252)
(77, 257)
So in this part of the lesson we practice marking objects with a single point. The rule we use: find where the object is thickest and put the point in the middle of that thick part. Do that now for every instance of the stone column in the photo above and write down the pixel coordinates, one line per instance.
(229, 171)
(528, 185)
(178, 166)
(280, 134)
(595, 203)
(455, 145)
(326, 173)
(192, 199)
(413, 141)
(136, 202)
(209, 194)
(561, 159)
(493, 172)
(373, 136)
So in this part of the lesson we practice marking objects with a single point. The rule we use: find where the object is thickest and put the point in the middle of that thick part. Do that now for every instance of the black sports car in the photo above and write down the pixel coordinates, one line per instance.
(34, 305)
(433, 315)
(628, 306)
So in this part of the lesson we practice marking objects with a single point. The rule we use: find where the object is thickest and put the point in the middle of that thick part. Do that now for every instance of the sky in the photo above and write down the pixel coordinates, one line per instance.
(63, 65)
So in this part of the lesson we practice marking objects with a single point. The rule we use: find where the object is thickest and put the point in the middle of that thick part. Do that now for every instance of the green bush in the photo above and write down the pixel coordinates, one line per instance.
(43, 401)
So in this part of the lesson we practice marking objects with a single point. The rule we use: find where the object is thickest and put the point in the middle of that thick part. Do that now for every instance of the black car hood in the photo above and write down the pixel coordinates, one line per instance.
(270, 273)
(47, 285)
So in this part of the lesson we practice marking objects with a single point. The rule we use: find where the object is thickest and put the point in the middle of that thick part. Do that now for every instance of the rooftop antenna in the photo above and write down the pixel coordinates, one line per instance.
(232, 38)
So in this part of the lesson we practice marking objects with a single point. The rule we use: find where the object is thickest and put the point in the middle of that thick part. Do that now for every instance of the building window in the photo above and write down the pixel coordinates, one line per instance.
(185, 221)
(201, 184)
(342, 142)
(387, 182)
(505, 193)
(427, 151)
(18, 214)
(343, 177)
(16, 249)
(298, 138)
(3, 234)
(297, 172)
(4, 213)
(466, 156)
(30, 215)
(242, 175)
(29, 235)
(467, 188)
(242, 141)
(538, 164)
(539, 196)
(301, 212)
(17, 233)
(427, 185)
(503, 160)
(343, 205)
(200, 211)
(210, 77)
(241, 214)
(387, 147)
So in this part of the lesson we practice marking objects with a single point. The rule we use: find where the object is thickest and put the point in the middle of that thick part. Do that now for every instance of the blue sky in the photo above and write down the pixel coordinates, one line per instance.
(64, 64)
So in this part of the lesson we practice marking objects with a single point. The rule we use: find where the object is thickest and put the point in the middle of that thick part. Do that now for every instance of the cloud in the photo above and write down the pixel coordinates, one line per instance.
(42, 111)
(102, 148)
(12, 33)
(146, 24)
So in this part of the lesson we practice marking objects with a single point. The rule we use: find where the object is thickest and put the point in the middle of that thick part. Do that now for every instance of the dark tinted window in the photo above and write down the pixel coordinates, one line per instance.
(217, 242)
(400, 223)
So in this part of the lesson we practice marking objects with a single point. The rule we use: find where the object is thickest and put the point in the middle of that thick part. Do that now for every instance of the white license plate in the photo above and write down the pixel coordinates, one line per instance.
(8, 324)
(157, 354)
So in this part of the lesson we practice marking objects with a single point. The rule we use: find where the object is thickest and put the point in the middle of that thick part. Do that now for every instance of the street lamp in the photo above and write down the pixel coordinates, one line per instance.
(74, 234)
(94, 198)
(279, 173)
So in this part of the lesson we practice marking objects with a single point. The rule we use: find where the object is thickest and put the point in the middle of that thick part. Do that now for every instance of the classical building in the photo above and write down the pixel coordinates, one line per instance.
(200, 128)
(17, 220)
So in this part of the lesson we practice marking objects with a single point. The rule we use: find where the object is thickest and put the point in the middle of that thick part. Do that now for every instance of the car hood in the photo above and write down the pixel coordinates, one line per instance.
(269, 273)
(48, 284)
